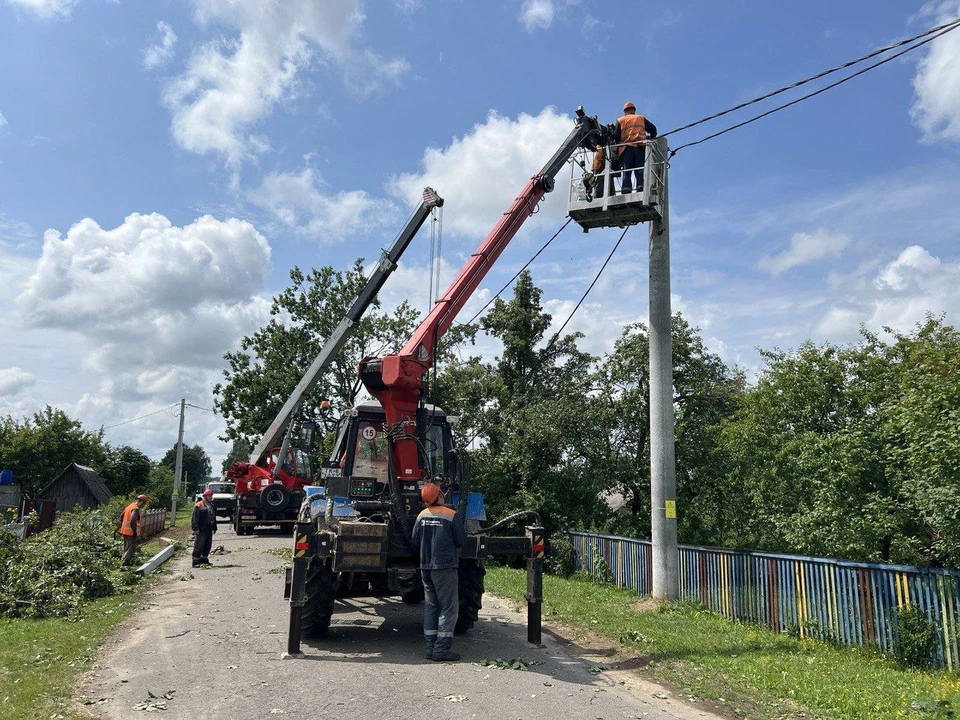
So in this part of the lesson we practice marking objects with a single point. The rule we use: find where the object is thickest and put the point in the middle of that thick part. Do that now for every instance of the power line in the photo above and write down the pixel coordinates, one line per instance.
(818, 76)
(197, 407)
(141, 417)
(948, 28)
(528, 263)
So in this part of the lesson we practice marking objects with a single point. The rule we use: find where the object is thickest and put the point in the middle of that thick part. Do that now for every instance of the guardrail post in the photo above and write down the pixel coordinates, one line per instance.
(534, 595)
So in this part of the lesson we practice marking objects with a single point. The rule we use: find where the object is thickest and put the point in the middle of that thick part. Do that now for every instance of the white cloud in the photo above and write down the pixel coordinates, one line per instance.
(3, 122)
(297, 201)
(46, 9)
(805, 248)
(150, 298)
(232, 84)
(536, 14)
(13, 381)
(936, 107)
(898, 295)
(161, 50)
(480, 174)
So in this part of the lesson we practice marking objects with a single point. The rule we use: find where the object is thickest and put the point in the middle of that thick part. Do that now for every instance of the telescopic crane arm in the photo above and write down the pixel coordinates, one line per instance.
(397, 380)
(383, 269)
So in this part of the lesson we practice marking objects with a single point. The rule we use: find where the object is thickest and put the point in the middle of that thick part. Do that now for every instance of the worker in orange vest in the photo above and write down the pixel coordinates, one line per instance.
(631, 132)
(130, 528)
(204, 525)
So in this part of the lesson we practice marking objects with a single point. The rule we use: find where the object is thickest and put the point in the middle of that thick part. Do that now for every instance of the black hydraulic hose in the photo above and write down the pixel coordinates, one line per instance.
(507, 520)
(395, 498)
(463, 470)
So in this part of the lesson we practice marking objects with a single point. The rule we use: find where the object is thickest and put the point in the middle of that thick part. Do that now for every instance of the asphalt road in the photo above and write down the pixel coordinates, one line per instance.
(215, 637)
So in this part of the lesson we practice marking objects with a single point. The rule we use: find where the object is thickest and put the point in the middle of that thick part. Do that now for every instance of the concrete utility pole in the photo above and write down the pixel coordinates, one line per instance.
(179, 466)
(663, 474)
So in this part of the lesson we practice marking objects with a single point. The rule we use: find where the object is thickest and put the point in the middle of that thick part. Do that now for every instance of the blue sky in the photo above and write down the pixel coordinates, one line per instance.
(164, 164)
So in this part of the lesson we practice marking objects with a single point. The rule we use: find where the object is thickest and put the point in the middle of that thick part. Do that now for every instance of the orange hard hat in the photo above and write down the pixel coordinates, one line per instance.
(430, 493)
(629, 106)
(143, 497)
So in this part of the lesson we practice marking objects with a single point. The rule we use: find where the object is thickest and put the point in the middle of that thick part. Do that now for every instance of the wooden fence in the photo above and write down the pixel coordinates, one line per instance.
(851, 603)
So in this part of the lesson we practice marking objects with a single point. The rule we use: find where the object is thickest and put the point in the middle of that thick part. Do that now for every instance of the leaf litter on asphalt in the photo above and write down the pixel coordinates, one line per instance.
(511, 664)
(456, 698)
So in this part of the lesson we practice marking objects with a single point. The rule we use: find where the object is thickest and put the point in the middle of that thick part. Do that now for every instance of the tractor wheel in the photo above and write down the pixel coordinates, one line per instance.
(471, 593)
(321, 588)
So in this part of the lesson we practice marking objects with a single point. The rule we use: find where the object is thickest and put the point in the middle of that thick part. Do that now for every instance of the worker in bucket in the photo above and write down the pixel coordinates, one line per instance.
(631, 132)
(130, 528)
(204, 525)
(438, 533)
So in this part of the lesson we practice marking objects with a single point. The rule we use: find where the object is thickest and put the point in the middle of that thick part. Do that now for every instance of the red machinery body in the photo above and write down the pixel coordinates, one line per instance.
(265, 499)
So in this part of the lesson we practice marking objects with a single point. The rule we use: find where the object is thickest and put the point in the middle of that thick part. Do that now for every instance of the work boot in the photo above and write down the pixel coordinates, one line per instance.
(445, 655)
(429, 642)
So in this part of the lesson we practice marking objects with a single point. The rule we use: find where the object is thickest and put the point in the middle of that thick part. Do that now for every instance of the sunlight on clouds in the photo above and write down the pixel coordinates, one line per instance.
(805, 248)
(536, 14)
(162, 49)
(936, 108)
(231, 84)
(46, 9)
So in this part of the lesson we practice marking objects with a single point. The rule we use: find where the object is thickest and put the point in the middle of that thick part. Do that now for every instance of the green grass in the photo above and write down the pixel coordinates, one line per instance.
(755, 671)
(41, 659)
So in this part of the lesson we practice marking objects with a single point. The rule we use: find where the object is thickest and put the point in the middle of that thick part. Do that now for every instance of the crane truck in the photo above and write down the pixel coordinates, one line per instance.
(356, 529)
(270, 487)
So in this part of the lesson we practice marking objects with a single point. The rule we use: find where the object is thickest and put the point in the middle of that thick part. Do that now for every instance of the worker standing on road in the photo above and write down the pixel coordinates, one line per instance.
(130, 528)
(204, 525)
(438, 533)
(631, 132)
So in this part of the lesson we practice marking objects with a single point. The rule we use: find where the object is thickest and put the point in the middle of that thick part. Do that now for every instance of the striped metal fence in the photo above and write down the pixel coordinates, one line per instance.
(153, 521)
(851, 603)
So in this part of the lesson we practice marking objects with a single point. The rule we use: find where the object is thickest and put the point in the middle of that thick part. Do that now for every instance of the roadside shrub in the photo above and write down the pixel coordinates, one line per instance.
(601, 570)
(54, 572)
(560, 562)
(916, 640)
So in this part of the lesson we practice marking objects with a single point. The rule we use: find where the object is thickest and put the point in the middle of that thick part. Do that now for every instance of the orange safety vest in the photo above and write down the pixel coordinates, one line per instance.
(126, 528)
(633, 131)
(599, 161)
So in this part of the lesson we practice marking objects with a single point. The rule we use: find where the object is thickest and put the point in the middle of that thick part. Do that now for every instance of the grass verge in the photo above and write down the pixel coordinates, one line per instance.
(749, 669)
(41, 659)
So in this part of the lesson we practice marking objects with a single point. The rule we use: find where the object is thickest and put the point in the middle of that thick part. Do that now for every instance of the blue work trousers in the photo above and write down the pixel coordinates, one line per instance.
(440, 608)
(632, 158)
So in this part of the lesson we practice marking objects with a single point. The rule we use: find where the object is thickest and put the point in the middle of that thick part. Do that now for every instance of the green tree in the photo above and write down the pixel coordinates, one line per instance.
(38, 449)
(126, 471)
(529, 451)
(618, 410)
(160, 484)
(239, 451)
(196, 467)
(269, 363)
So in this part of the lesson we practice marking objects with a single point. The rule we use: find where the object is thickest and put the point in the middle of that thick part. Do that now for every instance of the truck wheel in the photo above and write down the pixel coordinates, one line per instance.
(275, 497)
(471, 593)
(413, 597)
(321, 584)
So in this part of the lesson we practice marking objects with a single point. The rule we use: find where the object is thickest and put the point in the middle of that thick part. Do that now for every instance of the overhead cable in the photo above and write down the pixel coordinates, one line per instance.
(141, 417)
(946, 27)
(528, 263)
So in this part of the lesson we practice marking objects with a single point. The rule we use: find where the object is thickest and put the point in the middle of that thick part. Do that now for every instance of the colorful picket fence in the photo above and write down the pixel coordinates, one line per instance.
(153, 521)
(851, 603)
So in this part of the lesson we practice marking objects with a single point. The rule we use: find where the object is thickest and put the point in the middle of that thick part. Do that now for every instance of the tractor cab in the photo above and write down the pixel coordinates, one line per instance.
(596, 197)
(358, 466)
(295, 468)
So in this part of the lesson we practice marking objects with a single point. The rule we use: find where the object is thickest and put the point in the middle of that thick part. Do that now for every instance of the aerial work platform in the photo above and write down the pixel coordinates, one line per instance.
(596, 198)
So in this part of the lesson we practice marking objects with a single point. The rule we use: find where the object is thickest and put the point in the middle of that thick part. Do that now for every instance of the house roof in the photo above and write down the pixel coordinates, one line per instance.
(90, 479)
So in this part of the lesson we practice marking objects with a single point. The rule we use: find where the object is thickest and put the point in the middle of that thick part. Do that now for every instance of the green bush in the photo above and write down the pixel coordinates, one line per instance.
(916, 638)
(55, 571)
(560, 561)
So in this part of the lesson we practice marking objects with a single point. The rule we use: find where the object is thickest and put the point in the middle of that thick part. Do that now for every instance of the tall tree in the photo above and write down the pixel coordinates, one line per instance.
(196, 466)
(239, 451)
(37, 449)
(126, 471)
(269, 363)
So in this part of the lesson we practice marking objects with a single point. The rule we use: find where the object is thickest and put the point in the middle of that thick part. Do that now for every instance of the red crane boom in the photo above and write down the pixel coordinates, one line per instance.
(397, 381)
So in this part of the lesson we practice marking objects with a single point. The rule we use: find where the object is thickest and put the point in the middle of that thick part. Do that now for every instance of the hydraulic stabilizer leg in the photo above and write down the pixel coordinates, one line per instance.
(298, 586)
(535, 583)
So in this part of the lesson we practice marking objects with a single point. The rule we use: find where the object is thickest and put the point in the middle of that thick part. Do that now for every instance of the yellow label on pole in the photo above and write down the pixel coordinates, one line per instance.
(671, 509)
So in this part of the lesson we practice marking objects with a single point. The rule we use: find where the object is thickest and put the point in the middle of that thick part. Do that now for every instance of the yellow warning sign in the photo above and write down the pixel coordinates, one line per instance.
(671, 509)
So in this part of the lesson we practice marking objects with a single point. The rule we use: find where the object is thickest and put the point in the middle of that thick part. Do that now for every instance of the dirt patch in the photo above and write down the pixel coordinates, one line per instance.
(647, 604)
